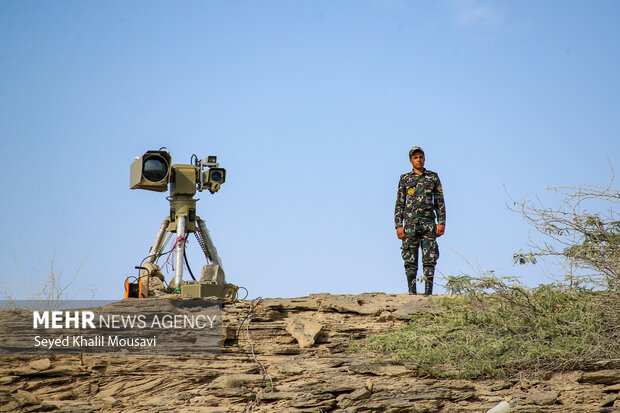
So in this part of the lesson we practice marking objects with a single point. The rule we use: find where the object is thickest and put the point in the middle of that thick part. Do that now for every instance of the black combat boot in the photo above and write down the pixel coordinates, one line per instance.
(429, 273)
(411, 275)
(428, 286)
(411, 283)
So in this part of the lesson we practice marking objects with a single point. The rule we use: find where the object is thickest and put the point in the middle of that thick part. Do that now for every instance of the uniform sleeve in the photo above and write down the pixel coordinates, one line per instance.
(439, 203)
(401, 199)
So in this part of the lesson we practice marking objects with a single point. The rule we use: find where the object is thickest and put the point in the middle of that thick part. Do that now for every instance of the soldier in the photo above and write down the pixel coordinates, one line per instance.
(418, 201)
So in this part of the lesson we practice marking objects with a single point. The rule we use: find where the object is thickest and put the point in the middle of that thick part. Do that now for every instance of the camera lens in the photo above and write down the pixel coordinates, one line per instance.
(155, 168)
(216, 176)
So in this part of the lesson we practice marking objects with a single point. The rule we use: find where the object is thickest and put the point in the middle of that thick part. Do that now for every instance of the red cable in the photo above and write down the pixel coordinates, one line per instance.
(173, 249)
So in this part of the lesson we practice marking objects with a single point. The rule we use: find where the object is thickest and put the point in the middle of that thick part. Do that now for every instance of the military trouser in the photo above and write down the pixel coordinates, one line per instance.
(421, 234)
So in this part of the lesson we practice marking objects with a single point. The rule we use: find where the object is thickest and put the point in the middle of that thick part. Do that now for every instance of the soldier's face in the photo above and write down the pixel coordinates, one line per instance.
(417, 160)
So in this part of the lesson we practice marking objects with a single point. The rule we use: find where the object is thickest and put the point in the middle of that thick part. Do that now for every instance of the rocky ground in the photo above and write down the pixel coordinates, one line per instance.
(301, 363)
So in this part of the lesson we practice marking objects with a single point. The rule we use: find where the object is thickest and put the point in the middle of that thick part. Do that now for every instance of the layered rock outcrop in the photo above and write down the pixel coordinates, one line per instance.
(289, 355)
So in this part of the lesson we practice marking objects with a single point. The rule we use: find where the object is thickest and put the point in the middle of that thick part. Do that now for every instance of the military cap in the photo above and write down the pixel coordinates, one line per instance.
(414, 150)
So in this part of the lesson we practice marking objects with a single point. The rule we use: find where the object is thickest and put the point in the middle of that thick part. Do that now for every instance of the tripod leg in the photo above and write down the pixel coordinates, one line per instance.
(178, 269)
(204, 232)
(158, 240)
(213, 272)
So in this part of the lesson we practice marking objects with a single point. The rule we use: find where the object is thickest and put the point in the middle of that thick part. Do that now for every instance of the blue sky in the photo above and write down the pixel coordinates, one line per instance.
(312, 107)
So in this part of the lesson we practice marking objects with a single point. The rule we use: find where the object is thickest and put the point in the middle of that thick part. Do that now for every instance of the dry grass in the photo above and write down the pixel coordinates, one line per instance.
(508, 333)
(45, 291)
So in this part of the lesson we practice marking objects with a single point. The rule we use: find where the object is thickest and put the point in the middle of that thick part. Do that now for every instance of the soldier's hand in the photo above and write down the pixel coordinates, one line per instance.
(400, 232)
(440, 230)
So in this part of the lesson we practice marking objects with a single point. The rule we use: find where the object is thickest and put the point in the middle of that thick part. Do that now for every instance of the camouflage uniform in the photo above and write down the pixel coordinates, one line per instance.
(418, 201)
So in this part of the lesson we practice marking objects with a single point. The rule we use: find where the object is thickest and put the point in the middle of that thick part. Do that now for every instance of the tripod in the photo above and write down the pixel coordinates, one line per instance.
(182, 221)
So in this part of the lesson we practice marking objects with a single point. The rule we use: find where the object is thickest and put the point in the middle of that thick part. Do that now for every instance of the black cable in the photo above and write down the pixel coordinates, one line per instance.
(187, 263)
(157, 254)
(253, 305)
(128, 277)
(247, 316)
(246, 293)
